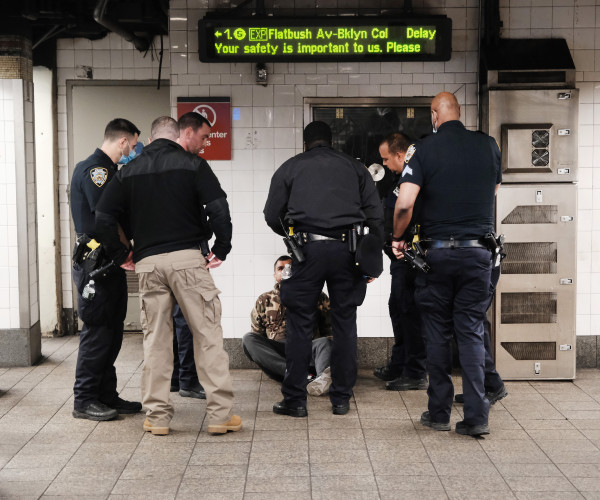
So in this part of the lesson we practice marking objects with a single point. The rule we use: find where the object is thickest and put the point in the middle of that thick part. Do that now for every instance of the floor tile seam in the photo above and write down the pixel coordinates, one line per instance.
(420, 436)
(62, 344)
(365, 442)
(126, 463)
(559, 411)
(528, 435)
(185, 468)
(43, 359)
(260, 382)
(38, 431)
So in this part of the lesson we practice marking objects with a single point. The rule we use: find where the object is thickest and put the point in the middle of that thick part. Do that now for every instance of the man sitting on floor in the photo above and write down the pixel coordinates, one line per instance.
(265, 343)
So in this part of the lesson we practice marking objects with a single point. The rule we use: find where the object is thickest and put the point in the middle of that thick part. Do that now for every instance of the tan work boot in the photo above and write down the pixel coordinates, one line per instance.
(233, 424)
(157, 431)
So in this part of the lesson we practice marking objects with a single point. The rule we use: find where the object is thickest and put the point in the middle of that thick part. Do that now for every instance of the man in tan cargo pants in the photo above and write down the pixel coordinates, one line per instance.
(164, 199)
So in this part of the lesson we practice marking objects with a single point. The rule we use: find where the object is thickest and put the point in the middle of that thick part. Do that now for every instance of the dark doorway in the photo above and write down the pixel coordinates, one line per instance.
(359, 129)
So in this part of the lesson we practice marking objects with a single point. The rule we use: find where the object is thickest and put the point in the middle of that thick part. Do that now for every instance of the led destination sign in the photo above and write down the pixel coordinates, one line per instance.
(327, 39)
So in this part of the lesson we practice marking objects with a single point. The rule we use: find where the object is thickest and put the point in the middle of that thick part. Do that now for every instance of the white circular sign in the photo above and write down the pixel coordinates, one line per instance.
(207, 112)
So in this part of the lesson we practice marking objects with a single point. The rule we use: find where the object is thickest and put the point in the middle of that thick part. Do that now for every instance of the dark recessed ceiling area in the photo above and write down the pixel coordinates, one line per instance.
(138, 21)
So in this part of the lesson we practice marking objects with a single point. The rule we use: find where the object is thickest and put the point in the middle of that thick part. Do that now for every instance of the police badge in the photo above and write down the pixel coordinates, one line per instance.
(409, 153)
(99, 176)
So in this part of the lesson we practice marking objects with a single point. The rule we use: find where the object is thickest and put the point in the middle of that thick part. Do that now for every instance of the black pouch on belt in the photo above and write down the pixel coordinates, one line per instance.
(369, 257)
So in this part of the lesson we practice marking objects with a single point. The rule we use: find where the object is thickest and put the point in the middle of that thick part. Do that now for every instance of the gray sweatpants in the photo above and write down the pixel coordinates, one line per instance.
(269, 354)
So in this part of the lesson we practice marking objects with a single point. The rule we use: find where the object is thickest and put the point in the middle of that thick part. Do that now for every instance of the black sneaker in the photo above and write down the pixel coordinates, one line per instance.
(125, 407)
(197, 393)
(436, 426)
(96, 411)
(496, 395)
(385, 373)
(407, 384)
(492, 396)
(282, 408)
(471, 430)
(340, 409)
(174, 388)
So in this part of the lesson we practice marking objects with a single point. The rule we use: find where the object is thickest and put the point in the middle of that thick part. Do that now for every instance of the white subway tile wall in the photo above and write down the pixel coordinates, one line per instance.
(268, 130)
(18, 297)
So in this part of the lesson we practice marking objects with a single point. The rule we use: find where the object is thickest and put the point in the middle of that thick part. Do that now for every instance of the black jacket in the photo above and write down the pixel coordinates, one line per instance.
(323, 191)
(165, 195)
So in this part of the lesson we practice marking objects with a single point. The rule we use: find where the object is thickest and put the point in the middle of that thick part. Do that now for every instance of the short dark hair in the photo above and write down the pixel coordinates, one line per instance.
(317, 131)
(282, 258)
(118, 127)
(192, 119)
(164, 127)
(397, 142)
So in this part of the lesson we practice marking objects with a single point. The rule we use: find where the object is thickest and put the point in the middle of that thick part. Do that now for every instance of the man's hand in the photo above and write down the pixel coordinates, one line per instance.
(398, 248)
(129, 265)
(212, 261)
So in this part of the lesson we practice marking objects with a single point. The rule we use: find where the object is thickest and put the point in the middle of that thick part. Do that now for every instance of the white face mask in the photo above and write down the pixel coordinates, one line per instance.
(434, 125)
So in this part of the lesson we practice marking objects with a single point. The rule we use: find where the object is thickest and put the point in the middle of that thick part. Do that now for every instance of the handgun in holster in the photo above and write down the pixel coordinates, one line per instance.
(496, 245)
(415, 255)
(354, 234)
(291, 241)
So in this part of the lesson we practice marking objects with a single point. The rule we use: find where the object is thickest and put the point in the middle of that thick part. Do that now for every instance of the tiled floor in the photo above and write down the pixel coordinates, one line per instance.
(545, 443)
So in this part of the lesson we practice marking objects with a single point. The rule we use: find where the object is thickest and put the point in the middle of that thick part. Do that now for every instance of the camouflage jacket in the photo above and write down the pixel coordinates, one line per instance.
(268, 316)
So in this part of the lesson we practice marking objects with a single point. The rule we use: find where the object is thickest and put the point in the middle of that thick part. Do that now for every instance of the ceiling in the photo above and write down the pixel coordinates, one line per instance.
(46, 20)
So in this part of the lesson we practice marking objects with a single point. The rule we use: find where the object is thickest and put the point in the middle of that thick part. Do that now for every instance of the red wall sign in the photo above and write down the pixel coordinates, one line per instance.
(217, 110)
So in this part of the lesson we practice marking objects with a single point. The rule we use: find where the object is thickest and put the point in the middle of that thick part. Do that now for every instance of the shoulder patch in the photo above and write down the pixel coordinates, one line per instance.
(407, 171)
(409, 153)
(99, 176)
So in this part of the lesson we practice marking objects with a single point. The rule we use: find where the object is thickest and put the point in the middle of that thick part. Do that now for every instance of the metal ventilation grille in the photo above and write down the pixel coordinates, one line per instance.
(540, 157)
(528, 307)
(530, 350)
(540, 138)
(530, 258)
(133, 285)
(533, 214)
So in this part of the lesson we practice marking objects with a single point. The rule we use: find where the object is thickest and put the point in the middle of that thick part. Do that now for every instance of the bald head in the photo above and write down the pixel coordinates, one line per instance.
(444, 108)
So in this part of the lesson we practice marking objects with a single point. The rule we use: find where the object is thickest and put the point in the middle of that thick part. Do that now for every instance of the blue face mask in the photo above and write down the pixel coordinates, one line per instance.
(132, 154)
(126, 159)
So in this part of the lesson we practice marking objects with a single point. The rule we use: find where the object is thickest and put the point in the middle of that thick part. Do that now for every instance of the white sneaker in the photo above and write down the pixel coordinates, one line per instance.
(320, 385)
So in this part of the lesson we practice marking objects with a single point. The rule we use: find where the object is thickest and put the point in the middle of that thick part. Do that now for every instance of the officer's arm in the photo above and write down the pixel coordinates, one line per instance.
(220, 222)
(371, 206)
(496, 190)
(276, 205)
(108, 211)
(404, 207)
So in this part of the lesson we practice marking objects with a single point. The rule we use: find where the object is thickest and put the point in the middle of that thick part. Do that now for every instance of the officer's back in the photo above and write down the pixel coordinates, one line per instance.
(166, 188)
(459, 182)
(323, 191)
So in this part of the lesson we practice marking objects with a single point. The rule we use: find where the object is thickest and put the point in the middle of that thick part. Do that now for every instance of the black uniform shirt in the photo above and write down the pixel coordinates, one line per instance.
(162, 194)
(457, 171)
(323, 191)
(90, 177)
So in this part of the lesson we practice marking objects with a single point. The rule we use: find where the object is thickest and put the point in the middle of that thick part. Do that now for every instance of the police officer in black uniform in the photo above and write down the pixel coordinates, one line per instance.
(95, 389)
(324, 192)
(406, 369)
(456, 173)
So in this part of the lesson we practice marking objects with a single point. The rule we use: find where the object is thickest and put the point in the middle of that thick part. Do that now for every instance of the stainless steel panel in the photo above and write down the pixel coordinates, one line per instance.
(535, 300)
(537, 132)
